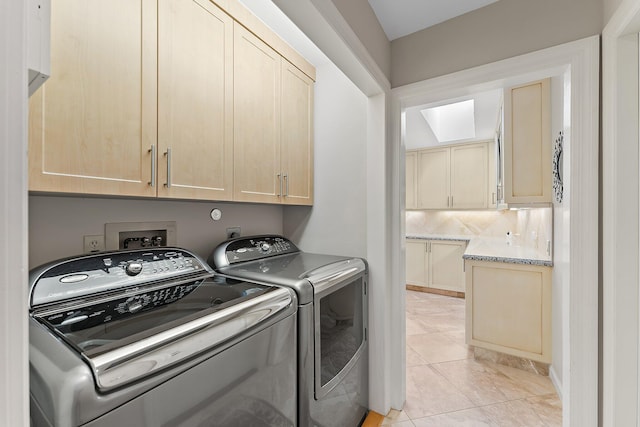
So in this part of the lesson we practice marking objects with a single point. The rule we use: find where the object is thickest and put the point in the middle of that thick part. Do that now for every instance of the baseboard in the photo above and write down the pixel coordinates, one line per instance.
(555, 381)
(435, 291)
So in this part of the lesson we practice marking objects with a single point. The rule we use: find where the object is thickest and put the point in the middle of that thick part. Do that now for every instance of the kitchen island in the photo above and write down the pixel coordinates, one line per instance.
(507, 288)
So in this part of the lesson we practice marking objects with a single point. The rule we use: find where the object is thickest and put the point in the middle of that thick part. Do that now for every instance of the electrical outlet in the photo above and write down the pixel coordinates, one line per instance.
(93, 244)
(233, 232)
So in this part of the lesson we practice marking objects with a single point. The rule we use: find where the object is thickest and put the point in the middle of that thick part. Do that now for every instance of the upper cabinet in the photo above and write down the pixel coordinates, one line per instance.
(272, 126)
(411, 169)
(93, 124)
(433, 177)
(527, 143)
(173, 99)
(469, 175)
(296, 137)
(454, 177)
(257, 90)
(195, 101)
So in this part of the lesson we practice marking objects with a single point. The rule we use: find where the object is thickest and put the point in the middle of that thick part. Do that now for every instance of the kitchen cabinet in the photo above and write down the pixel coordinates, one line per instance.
(455, 177)
(195, 101)
(508, 308)
(159, 107)
(273, 146)
(469, 176)
(492, 176)
(435, 265)
(93, 123)
(416, 262)
(411, 166)
(433, 178)
(527, 143)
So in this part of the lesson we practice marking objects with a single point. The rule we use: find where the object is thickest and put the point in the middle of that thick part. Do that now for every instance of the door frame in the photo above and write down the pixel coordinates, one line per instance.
(620, 215)
(14, 333)
(579, 61)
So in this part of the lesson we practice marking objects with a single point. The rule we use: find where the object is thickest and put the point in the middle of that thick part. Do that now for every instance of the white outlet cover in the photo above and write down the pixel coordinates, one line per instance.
(93, 244)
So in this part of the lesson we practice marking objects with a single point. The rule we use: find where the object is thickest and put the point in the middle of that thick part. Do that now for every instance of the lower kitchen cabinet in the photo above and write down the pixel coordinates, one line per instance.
(508, 308)
(436, 265)
(416, 258)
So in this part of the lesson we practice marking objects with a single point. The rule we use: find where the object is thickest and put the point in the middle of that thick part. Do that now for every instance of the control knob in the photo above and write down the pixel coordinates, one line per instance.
(264, 247)
(134, 306)
(133, 268)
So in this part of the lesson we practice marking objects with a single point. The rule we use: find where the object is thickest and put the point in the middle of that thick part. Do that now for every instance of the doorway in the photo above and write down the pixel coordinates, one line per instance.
(578, 62)
(448, 381)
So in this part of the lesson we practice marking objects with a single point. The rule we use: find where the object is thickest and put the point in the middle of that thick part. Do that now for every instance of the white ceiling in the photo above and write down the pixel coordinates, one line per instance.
(401, 17)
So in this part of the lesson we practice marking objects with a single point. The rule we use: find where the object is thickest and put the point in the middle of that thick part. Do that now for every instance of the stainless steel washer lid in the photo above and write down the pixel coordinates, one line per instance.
(166, 307)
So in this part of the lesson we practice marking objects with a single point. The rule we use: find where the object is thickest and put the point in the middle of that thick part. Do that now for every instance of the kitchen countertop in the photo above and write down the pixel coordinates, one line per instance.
(494, 249)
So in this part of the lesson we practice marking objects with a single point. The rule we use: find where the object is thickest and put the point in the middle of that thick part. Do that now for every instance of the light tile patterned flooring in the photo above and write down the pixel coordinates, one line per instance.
(446, 386)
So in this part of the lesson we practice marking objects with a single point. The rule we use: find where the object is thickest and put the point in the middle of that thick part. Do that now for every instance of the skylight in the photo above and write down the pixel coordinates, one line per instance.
(452, 122)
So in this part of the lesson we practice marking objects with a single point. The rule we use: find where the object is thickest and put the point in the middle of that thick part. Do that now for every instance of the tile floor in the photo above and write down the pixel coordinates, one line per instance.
(447, 387)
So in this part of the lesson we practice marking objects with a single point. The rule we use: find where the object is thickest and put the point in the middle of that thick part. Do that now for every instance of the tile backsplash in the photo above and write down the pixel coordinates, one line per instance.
(530, 227)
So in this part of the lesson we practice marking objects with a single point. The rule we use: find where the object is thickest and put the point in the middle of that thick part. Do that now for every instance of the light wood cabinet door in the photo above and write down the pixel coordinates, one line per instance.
(92, 125)
(508, 308)
(416, 260)
(492, 175)
(527, 147)
(257, 89)
(433, 179)
(296, 136)
(446, 265)
(469, 178)
(410, 182)
(195, 100)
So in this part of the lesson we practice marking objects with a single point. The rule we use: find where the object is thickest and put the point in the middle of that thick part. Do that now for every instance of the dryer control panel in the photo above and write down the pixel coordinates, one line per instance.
(250, 249)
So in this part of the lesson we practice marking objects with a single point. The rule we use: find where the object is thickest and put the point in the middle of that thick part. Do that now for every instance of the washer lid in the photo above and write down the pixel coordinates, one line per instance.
(135, 334)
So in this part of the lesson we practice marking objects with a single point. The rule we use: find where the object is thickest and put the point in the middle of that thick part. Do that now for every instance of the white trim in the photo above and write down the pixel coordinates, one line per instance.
(321, 21)
(14, 375)
(580, 310)
(620, 215)
(325, 26)
(555, 381)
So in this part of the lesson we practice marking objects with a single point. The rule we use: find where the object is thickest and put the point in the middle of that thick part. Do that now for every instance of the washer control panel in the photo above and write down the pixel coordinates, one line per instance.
(108, 271)
(251, 249)
(122, 307)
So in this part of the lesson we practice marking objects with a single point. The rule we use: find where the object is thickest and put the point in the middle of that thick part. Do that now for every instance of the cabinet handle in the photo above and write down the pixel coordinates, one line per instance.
(447, 201)
(279, 184)
(152, 150)
(168, 154)
(493, 198)
(451, 201)
(286, 186)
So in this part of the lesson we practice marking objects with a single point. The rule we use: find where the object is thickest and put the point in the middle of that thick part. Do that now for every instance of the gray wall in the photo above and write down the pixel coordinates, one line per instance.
(57, 224)
(363, 21)
(337, 222)
(501, 30)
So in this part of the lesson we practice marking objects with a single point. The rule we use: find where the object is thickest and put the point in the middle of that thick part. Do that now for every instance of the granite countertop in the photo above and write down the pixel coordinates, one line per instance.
(456, 237)
(494, 249)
